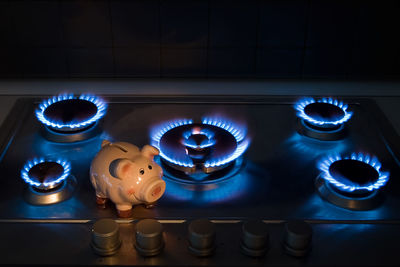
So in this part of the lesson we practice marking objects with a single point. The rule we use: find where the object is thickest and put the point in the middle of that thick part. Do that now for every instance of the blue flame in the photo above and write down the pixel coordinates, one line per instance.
(100, 104)
(238, 132)
(210, 141)
(25, 172)
(302, 103)
(158, 132)
(372, 161)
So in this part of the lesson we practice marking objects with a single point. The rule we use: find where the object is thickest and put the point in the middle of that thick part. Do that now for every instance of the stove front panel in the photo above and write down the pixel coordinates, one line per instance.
(274, 180)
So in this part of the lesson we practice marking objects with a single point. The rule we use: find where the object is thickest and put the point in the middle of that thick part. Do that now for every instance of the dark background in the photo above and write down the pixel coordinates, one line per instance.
(199, 38)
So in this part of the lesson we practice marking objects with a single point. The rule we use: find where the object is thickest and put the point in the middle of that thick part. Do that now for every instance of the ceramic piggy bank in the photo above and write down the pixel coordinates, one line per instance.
(126, 175)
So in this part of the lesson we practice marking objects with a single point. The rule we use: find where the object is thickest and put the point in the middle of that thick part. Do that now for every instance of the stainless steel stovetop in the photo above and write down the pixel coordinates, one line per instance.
(274, 181)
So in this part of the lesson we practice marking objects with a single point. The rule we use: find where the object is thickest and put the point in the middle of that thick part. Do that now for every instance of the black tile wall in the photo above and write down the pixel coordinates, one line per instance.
(233, 23)
(279, 62)
(32, 24)
(44, 62)
(326, 62)
(376, 44)
(183, 62)
(200, 38)
(184, 23)
(237, 61)
(90, 62)
(11, 60)
(282, 23)
(136, 23)
(86, 23)
(137, 61)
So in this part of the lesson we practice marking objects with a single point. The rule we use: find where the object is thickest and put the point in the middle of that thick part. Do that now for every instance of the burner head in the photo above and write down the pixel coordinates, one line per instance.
(353, 172)
(69, 114)
(205, 147)
(351, 182)
(44, 174)
(324, 112)
(322, 119)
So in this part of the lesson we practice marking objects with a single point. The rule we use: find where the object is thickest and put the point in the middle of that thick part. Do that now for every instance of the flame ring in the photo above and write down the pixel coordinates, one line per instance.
(237, 132)
(31, 163)
(302, 103)
(100, 104)
(372, 161)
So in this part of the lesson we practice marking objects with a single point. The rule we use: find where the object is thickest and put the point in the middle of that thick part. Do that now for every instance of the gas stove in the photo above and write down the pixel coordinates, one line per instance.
(323, 163)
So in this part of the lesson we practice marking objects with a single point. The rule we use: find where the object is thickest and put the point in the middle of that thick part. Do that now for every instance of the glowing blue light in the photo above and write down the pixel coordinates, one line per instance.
(158, 132)
(238, 132)
(100, 104)
(210, 141)
(372, 161)
(314, 148)
(302, 103)
(25, 172)
(240, 149)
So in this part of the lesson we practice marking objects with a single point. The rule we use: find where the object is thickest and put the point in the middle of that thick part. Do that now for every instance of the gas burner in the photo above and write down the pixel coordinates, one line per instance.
(49, 180)
(322, 119)
(68, 118)
(351, 182)
(205, 148)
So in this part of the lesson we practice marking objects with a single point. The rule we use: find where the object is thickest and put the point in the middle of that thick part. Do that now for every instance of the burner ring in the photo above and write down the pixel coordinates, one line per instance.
(335, 168)
(208, 146)
(45, 174)
(324, 134)
(323, 113)
(67, 113)
(358, 202)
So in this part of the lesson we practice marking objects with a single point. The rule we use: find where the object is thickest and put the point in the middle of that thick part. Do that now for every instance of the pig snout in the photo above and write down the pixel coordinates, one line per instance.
(152, 190)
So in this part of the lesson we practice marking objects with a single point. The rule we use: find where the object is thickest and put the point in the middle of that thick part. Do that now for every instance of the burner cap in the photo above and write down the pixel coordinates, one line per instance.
(45, 174)
(322, 119)
(69, 114)
(320, 111)
(71, 111)
(199, 147)
(349, 171)
(358, 172)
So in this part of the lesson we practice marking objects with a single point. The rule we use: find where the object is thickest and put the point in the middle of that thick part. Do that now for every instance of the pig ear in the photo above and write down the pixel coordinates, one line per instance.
(150, 151)
(105, 143)
(120, 168)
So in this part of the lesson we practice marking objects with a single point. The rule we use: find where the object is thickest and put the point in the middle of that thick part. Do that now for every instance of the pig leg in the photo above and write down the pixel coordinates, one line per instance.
(101, 201)
(124, 210)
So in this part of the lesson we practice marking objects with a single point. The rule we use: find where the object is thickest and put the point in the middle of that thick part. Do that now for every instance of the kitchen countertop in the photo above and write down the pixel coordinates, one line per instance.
(385, 93)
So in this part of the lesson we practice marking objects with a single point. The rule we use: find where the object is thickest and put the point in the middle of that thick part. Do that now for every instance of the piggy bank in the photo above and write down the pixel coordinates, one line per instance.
(126, 175)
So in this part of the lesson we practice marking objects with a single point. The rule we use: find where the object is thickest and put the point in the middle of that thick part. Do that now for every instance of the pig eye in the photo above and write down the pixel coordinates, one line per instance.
(141, 171)
(150, 167)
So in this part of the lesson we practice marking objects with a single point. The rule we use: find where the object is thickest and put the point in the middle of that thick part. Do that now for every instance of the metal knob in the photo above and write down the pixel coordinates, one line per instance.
(201, 235)
(298, 236)
(105, 237)
(255, 238)
(149, 237)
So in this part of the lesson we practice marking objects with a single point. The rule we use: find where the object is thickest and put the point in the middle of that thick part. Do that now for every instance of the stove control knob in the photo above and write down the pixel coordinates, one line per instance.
(105, 237)
(298, 236)
(255, 238)
(149, 237)
(201, 237)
